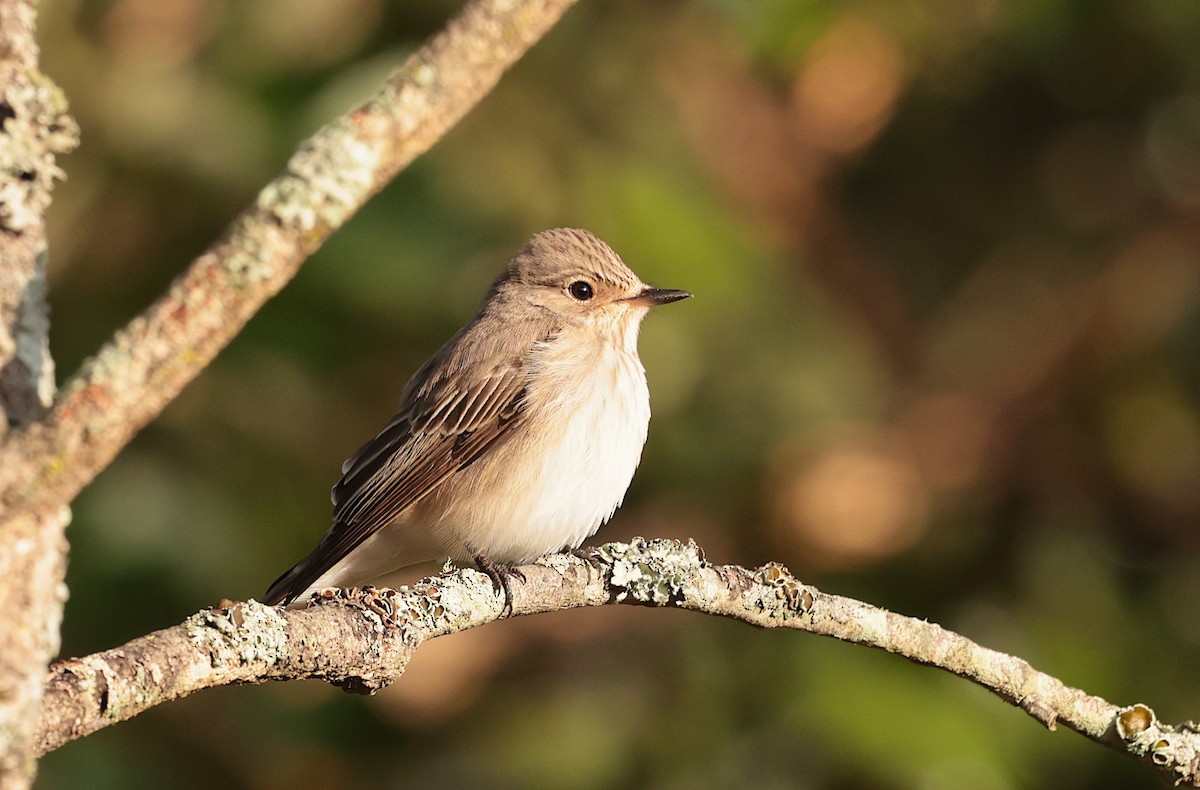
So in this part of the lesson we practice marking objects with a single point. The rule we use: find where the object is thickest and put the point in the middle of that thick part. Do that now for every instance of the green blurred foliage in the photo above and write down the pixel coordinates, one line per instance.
(943, 357)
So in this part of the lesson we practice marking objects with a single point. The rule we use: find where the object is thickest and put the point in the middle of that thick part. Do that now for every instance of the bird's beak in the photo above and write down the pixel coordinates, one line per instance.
(653, 297)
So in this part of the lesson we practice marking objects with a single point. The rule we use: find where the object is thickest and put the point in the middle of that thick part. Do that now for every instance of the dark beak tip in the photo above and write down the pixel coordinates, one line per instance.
(659, 296)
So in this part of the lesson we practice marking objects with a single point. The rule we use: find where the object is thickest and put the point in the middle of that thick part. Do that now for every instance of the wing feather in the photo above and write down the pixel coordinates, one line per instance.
(445, 426)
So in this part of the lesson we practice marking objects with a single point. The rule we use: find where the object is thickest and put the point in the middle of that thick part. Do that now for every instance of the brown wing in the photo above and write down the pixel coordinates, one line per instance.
(444, 428)
(443, 432)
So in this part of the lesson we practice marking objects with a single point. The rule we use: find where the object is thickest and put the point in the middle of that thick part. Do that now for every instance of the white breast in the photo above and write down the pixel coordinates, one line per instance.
(587, 413)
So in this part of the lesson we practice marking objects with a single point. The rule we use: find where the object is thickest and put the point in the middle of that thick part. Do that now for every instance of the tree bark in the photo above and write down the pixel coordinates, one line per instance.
(34, 130)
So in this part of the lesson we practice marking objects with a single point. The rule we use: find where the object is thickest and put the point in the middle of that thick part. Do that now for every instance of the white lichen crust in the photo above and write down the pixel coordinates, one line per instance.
(1172, 748)
(651, 571)
(325, 181)
(34, 129)
(246, 633)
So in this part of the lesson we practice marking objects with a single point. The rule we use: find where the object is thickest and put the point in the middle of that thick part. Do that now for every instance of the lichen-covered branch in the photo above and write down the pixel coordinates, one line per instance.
(35, 130)
(332, 174)
(363, 639)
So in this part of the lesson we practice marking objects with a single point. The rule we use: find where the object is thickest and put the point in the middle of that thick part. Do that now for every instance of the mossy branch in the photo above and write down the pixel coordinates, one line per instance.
(363, 639)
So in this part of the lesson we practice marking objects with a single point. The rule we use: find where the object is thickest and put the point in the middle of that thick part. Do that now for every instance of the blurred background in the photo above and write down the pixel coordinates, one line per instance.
(944, 356)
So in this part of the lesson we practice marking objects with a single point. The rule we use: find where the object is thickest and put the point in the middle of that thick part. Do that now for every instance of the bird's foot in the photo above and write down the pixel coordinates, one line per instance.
(501, 576)
(583, 552)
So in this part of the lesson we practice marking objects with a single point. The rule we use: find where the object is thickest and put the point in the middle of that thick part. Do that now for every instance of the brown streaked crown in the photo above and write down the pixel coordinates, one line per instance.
(553, 257)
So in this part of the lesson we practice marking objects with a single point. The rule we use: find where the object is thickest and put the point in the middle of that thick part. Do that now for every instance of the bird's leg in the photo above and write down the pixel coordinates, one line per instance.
(499, 574)
(582, 552)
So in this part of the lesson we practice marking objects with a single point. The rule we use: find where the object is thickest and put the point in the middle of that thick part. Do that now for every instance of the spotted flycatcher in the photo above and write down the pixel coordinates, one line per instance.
(517, 438)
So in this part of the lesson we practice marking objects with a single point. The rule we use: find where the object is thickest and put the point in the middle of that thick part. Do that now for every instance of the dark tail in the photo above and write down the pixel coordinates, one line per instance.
(292, 584)
(285, 589)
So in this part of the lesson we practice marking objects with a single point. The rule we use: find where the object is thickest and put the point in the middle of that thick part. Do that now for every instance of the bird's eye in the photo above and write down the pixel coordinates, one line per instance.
(580, 290)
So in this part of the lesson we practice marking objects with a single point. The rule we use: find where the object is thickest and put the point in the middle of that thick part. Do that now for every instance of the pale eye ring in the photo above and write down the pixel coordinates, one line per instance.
(581, 290)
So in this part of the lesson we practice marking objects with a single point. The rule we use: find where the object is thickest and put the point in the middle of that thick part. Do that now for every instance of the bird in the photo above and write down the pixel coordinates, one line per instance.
(518, 438)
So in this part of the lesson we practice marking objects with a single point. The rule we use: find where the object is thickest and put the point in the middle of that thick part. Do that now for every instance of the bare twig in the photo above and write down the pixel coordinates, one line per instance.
(363, 639)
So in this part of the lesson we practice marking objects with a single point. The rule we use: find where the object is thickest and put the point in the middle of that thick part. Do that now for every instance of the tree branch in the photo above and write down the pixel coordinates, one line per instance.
(362, 640)
(35, 130)
(328, 179)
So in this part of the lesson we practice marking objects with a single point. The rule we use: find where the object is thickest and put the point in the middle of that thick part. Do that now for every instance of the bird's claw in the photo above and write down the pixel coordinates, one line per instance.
(501, 576)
